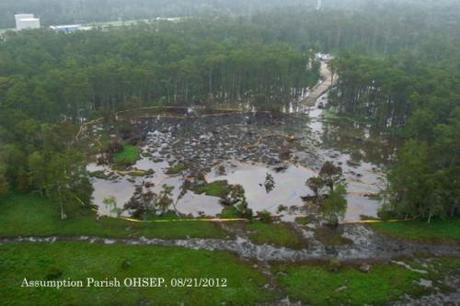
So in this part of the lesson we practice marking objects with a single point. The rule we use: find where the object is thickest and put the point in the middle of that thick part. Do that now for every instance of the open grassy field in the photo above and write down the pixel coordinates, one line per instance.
(311, 283)
(78, 261)
(277, 234)
(28, 215)
(438, 231)
(24, 215)
(318, 284)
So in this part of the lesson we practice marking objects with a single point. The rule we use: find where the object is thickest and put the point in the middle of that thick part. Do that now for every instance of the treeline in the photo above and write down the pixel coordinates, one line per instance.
(417, 96)
(382, 28)
(376, 90)
(43, 159)
(47, 75)
(89, 11)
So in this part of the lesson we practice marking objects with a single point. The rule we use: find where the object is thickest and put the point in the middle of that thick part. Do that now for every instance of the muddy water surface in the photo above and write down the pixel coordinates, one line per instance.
(289, 147)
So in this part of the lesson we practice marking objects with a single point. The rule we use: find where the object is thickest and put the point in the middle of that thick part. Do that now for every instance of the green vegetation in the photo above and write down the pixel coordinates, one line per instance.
(333, 209)
(80, 260)
(330, 236)
(230, 212)
(406, 84)
(127, 157)
(231, 196)
(333, 205)
(190, 62)
(134, 172)
(216, 189)
(414, 96)
(120, 13)
(4, 185)
(304, 220)
(438, 231)
(139, 173)
(187, 63)
(27, 215)
(277, 234)
(176, 169)
(317, 285)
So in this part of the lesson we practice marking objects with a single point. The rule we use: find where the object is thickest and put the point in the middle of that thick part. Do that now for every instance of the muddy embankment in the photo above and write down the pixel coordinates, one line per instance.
(366, 246)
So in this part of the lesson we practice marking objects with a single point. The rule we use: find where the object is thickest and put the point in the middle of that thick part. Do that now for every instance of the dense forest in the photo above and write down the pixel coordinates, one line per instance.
(48, 74)
(416, 96)
(398, 68)
(378, 31)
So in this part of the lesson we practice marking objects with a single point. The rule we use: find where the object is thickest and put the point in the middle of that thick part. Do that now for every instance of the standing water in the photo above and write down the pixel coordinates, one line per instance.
(249, 148)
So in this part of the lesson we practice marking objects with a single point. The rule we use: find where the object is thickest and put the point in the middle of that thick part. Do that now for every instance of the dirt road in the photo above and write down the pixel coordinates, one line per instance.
(322, 87)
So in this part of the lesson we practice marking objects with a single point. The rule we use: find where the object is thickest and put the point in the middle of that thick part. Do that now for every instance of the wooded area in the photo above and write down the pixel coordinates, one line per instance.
(398, 70)
(414, 95)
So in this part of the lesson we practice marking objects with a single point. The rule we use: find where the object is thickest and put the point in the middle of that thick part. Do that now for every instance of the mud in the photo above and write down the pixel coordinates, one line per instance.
(367, 245)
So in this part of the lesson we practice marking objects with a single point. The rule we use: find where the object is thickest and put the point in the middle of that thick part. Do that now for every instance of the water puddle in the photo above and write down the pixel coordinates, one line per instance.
(122, 188)
(288, 188)
(198, 205)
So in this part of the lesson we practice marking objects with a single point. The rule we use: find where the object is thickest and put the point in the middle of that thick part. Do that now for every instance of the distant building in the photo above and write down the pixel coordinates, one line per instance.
(69, 28)
(26, 21)
(23, 16)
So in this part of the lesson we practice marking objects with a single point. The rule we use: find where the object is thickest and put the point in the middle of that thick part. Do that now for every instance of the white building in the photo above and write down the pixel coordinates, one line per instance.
(23, 16)
(26, 21)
